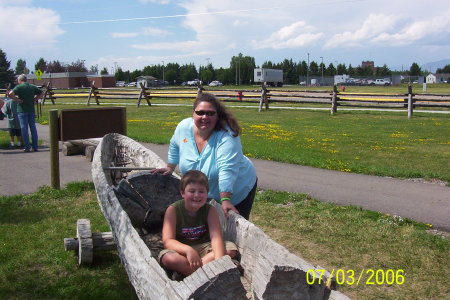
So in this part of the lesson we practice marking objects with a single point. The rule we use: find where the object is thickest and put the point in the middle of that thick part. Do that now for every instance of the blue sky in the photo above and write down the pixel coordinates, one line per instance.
(135, 33)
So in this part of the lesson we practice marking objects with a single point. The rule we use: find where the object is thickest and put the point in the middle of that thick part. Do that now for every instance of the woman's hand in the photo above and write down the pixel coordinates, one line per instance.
(165, 171)
(227, 206)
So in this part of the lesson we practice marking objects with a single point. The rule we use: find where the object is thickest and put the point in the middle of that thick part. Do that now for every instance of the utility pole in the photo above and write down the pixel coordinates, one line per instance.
(163, 73)
(321, 67)
(307, 72)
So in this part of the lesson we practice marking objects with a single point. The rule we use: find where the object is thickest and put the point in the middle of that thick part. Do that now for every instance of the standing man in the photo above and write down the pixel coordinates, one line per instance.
(25, 95)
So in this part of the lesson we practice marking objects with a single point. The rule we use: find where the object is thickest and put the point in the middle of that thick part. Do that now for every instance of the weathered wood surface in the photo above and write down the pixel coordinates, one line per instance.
(85, 245)
(102, 241)
(270, 269)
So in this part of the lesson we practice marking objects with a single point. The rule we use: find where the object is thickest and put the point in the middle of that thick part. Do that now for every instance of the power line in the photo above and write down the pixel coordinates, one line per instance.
(203, 13)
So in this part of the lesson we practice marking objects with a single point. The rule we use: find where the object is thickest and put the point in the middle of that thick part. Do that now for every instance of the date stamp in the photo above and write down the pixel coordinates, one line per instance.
(351, 277)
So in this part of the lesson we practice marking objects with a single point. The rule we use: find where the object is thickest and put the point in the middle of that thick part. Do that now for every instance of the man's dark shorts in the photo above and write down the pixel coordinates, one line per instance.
(15, 132)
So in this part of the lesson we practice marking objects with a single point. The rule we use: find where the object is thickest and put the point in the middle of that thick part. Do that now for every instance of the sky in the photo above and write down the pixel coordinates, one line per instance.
(133, 34)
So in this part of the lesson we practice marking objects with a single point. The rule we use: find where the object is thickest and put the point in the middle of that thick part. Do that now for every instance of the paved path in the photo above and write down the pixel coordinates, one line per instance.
(424, 202)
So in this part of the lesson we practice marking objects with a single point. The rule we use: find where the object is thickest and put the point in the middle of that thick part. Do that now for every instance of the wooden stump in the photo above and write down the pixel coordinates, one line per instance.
(89, 152)
(101, 241)
(69, 149)
(85, 244)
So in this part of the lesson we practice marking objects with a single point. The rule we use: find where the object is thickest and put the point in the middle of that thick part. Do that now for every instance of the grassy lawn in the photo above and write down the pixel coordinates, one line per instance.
(35, 265)
(377, 143)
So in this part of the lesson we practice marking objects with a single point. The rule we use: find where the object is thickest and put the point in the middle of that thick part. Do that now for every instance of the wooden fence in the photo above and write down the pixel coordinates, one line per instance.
(263, 96)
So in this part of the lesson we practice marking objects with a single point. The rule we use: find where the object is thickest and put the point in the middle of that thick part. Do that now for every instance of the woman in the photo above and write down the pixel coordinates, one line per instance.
(209, 142)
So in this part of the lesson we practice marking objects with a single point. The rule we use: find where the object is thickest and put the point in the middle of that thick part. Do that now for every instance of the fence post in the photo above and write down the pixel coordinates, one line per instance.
(263, 97)
(93, 92)
(54, 149)
(145, 94)
(199, 89)
(334, 100)
(410, 101)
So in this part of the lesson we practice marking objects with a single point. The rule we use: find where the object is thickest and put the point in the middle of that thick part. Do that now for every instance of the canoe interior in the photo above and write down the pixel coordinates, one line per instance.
(134, 204)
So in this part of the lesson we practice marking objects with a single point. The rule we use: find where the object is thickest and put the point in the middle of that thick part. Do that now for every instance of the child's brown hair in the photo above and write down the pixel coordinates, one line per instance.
(194, 176)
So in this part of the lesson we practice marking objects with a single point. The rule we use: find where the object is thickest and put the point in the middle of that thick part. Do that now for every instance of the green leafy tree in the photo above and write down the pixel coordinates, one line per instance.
(342, 69)
(135, 74)
(77, 66)
(171, 76)
(330, 70)
(120, 75)
(415, 70)
(104, 71)
(188, 72)
(6, 73)
(243, 67)
(55, 67)
(383, 71)
(21, 67)
(350, 71)
(313, 69)
(94, 69)
(225, 75)
(41, 65)
(445, 69)
(302, 68)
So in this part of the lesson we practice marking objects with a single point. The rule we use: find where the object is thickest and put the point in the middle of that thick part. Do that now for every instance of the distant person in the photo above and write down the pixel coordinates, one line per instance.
(26, 95)
(191, 233)
(10, 111)
(209, 141)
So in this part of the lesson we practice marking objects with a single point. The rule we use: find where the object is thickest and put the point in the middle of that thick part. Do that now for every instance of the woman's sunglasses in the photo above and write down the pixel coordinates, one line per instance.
(209, 113)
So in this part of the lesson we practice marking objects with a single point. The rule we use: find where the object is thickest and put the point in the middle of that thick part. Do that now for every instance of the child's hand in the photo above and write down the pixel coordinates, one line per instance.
(194, 259)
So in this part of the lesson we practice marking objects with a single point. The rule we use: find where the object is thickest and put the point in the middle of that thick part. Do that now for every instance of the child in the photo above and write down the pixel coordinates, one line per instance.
(10, 111)
(191, 232)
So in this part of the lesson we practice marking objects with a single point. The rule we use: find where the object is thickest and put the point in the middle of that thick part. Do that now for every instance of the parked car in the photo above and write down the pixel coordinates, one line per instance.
(131, 84)
(384, 82)
(215, 83)
(194, 82)
(120, 83)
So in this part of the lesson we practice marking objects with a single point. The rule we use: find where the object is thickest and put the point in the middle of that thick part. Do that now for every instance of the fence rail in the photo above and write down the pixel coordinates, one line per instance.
(262, 96)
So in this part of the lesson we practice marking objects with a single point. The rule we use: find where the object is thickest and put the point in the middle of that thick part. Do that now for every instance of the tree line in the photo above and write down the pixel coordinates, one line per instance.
(240, 70)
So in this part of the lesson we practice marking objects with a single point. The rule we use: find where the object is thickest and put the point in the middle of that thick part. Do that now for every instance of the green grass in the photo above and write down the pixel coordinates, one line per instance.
(35, 265)
(376, 143)
(353, 239)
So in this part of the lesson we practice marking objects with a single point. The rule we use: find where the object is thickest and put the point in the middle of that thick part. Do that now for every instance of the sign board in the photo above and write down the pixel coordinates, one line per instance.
(87, 123)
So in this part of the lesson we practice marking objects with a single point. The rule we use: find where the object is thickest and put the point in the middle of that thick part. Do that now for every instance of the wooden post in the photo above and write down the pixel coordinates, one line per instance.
(93, 92)
(144, 94)
(410, 101)
(334, 100)
(263, 97)
(199, 89)
(124, 119)
(54, 149)
(48, 94)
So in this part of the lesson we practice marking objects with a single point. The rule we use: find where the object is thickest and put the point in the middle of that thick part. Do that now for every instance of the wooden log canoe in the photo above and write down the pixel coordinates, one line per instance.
(270, 270)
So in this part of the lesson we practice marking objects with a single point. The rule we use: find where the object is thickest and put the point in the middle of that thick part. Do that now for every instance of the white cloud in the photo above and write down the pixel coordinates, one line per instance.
(295, 35)
(393, 30)
(435, 27)
(151, 31)
(145, 31)
(123, 34)
(375, 25)
(185, 46)
(24, 28)
(155, 1)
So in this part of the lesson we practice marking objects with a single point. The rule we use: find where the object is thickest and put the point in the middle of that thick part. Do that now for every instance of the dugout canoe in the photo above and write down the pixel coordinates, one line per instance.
(133, 202)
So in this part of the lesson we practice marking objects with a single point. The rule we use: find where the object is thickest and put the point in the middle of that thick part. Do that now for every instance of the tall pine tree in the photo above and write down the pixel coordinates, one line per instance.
(6, 73)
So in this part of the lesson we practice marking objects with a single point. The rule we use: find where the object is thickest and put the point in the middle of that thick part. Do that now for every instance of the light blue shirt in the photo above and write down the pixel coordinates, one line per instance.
(222, 160)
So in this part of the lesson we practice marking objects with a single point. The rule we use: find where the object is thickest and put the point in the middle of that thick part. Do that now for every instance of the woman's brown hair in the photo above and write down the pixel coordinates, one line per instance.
(225, 118)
